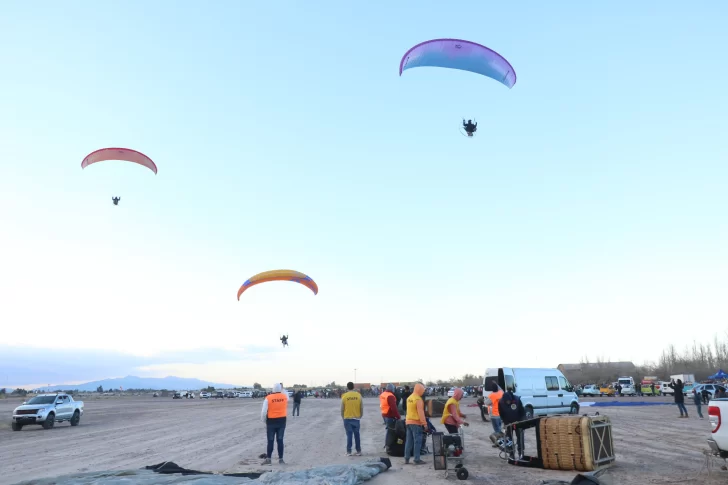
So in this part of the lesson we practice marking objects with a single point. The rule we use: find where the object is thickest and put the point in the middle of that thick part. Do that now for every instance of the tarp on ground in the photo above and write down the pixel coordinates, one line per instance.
(353, 474)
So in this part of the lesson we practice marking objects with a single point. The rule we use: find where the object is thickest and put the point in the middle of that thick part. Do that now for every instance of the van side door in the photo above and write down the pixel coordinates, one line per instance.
(555, 395)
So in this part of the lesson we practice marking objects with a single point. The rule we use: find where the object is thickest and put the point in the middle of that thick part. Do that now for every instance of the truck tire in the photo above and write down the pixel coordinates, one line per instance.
(529, 412)
(49, 421)
(76, 419)
(574, 409)
(16, 426)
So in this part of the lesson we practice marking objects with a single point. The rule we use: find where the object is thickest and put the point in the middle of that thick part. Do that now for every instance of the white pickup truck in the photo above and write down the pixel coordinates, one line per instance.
(47, 410)
(717, 410)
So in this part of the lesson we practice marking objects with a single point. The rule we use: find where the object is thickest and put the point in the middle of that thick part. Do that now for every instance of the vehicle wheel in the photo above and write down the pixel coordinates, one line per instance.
(50, 421)
(462, 473)
(574, 409)
(16, 426)
(76, 419)
(459, 465)
(529, 412)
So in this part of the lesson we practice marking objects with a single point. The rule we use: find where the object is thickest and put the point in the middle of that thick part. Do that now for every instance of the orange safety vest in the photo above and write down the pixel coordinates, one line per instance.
(383, 404)
(495, 397)
(277, 405)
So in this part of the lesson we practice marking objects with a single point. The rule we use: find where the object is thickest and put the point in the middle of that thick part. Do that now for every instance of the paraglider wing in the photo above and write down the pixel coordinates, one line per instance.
(460, 54)
(279, 275)
(124, 154)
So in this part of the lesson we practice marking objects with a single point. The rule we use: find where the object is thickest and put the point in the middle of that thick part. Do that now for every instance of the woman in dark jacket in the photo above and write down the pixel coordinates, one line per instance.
(678, 388)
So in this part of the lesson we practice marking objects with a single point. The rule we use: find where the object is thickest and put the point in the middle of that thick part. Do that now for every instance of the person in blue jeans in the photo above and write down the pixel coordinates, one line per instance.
(416, 421)
(297, 403)
(698, 399)
(679, 390)
(352, 409)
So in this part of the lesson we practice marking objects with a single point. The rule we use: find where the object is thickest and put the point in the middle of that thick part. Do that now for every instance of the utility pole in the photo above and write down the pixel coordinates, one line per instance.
(354, 375)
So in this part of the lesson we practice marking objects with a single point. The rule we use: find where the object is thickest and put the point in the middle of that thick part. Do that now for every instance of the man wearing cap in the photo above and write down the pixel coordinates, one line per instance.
(388, 405)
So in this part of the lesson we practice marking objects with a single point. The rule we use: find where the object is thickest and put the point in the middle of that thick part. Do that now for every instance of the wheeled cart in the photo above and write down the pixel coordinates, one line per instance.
(450, 448)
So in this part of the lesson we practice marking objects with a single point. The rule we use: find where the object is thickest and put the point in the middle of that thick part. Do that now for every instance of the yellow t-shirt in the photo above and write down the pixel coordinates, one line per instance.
(351, 401)
(446, 413)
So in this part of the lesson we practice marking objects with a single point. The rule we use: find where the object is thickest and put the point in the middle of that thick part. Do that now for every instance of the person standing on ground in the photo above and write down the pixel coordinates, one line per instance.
(352, 409)
(511, 410)
(388, 406)
(275, 409)
(652, 388)
(406, 393)
(678, 389)
(297, 403)
(496, 394)
(698, 399)
(452, 418)
(416, 422)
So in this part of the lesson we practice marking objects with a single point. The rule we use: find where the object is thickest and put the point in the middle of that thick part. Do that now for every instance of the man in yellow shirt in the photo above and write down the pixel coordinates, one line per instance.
(416, 420)
(352, 409)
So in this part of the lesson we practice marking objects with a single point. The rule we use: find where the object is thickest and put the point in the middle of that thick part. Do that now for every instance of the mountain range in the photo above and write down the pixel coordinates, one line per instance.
(157, 383)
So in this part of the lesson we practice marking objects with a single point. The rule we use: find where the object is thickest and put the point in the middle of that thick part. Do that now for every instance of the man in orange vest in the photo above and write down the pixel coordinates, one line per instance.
(495, 396)
(275, 409)
(388, 405)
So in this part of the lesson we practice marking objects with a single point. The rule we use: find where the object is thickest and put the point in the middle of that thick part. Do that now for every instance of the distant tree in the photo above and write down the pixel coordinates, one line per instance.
(257, 386)
(100, 389)
(331, 384)
(2, 391)
(19, 392)
(300, 385)
(209, 389)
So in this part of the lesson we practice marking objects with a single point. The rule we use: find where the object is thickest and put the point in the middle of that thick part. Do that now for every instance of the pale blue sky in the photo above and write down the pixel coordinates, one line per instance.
(588, 212)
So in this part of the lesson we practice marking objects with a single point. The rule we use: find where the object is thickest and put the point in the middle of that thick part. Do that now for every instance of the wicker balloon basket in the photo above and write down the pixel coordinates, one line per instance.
(581, 443)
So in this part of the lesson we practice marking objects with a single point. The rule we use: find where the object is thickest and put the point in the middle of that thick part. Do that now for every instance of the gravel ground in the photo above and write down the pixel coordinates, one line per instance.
(115, 433)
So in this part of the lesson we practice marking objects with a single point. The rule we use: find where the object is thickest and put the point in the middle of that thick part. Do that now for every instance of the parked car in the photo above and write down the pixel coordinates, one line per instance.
(205, 395)
(452, 391)
(607, 391)
(46, 410)
(590, 390)
(711, 388)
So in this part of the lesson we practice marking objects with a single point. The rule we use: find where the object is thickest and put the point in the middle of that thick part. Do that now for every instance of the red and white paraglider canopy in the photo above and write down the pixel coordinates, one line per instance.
(123, 154)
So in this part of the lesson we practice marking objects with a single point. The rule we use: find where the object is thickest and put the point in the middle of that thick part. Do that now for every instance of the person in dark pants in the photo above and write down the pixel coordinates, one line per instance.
(679, 388)
(388, 407)
(698, 400)
(405, 395)
(273, 414)
(297, 403)
(511, 411)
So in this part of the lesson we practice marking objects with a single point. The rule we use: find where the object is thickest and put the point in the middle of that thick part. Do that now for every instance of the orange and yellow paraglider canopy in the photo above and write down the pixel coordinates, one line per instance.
(279, 275)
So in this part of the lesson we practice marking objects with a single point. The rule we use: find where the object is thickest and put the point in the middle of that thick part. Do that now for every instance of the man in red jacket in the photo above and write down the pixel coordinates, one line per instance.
(388, 405)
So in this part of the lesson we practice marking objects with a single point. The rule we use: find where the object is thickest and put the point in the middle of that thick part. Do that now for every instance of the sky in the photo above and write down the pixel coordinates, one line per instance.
(585, 218)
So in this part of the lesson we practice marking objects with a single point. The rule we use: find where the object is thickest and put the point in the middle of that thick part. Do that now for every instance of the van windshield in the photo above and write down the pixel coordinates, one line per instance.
(625, 382)
(488, 384)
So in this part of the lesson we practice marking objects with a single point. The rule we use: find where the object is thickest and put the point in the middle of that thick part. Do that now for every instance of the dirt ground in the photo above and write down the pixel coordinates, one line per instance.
(652, 445)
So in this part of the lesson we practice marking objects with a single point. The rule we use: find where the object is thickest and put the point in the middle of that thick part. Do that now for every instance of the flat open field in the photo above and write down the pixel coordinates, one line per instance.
(652, 445)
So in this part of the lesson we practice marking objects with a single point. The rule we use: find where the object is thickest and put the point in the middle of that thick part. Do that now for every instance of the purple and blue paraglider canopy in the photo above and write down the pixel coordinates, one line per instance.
(460, 54)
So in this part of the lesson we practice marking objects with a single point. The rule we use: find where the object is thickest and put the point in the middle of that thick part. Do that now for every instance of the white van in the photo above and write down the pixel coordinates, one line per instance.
(627, 383)
(542, 391)
(246, 394)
